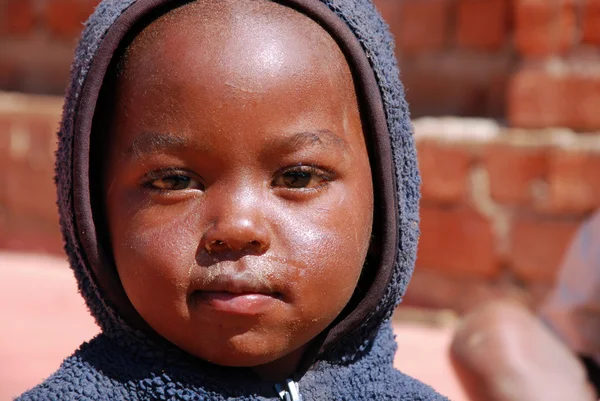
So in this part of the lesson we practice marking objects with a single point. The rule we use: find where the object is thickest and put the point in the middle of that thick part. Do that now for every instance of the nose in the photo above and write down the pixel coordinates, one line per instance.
(237, 227)
(241, 235)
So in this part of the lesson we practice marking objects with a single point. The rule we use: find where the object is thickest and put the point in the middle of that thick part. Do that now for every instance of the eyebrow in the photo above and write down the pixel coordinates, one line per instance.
(320, 138)
(148, 143)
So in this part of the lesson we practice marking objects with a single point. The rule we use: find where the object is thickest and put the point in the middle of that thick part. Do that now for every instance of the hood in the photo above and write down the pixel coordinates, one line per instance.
(365, 40)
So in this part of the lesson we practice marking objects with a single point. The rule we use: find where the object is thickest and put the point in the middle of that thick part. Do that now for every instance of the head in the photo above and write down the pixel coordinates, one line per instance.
(237, 187)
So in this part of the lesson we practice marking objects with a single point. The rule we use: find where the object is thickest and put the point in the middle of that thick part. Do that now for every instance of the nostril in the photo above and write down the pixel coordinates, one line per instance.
(254, 246)
(216, 245)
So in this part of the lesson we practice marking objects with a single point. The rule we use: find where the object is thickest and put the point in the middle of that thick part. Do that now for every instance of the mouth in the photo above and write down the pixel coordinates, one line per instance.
(236, 303)
(242, 294)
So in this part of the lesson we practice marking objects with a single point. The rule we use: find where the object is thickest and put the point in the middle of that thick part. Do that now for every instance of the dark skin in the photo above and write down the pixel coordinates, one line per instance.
(238, 188)
(502, 352)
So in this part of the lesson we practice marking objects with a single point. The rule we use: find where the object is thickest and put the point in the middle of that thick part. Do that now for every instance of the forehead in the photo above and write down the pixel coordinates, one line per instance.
(253, 41)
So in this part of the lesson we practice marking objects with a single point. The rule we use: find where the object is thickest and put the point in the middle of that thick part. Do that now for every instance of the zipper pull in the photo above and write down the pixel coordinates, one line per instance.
(290, 391)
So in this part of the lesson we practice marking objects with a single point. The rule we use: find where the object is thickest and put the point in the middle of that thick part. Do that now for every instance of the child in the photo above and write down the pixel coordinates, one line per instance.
(238, 192)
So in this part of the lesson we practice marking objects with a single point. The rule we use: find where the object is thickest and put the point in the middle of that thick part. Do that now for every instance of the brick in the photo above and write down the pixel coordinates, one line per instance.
(30, 189)
(23, 235)
(17, 17)
(9, 72)
(431, 90)
(32, 138)
(390, 11)
(4, 160)
(573, 184)
(457, 82)
(424, 25)
(5, 124)
(591, 23)
(433, 289)
(482, 24)
(565, 96)
(538, 245)
(536, 99)
(28, 212)
(583, 98)
(444, 171)
(458, 242)
(65, 18)
(545, 27)
(515, 172)
(495, 100)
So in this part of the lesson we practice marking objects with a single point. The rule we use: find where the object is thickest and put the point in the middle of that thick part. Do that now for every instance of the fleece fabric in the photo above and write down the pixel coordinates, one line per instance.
(353, 358)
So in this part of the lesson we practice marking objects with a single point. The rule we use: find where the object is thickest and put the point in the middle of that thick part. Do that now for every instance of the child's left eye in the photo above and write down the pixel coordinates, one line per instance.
(302, 177)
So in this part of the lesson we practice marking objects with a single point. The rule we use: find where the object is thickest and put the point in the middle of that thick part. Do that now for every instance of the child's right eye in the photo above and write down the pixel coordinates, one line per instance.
(172, 181)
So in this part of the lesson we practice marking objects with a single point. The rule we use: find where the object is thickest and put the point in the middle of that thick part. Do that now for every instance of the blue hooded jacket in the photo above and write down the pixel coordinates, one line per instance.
(353, 358)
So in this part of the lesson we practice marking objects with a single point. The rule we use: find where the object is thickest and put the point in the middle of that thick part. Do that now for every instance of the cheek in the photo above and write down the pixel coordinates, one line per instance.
(332, 241)
(154, 250)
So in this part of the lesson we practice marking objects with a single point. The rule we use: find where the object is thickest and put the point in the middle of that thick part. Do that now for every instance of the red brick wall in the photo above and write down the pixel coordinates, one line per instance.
(500, 205)
(533, 62)
(37, 38)
(28, 214)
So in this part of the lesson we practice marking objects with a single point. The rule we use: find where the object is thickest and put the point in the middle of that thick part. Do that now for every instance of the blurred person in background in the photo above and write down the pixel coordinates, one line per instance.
(503, 352)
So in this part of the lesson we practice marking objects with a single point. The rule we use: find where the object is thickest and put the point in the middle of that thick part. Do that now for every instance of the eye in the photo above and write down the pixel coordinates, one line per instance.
(173, 183)
(169, 180)
(302, 177)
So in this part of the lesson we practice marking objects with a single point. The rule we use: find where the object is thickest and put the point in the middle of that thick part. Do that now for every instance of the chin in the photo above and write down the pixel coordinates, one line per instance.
(242, 350)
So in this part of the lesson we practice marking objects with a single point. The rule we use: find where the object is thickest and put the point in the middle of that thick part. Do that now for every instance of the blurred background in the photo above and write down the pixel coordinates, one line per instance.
(505, 96)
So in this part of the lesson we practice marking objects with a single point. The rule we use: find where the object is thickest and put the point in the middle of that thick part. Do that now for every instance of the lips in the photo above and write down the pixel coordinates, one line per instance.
(237, 304)
(244, 293)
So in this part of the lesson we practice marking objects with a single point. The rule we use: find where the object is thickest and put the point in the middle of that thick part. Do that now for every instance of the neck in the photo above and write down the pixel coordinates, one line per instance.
(281, 369)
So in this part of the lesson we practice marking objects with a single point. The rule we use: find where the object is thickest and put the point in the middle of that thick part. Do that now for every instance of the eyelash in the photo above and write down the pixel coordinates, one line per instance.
(324, 174)
(309, 171)
(152, 177)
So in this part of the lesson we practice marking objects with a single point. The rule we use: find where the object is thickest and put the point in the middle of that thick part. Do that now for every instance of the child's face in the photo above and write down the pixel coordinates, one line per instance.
(238, 188)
